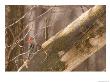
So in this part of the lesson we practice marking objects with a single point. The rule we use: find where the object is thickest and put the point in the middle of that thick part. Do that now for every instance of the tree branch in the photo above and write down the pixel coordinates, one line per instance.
(74, 58)
(73, 31)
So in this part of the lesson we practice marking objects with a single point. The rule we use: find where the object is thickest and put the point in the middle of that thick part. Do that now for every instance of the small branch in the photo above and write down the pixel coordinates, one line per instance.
(24, 65)
(28, 60)
(40, 15)
(46, 30)
(14, 42)
(82, 8)
(20, 18)
(20, 55)
(18, 41)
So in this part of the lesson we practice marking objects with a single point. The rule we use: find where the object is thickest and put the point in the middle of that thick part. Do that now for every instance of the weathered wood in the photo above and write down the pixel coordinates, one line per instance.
(73, 58)
(73, 31)
(90, 43)
(63, 39)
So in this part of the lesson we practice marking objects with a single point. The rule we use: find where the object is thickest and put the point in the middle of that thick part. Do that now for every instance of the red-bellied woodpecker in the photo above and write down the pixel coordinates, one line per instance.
(32, 46)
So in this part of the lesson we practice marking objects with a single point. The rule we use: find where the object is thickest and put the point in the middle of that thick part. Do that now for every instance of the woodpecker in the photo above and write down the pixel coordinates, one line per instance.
(31, 46)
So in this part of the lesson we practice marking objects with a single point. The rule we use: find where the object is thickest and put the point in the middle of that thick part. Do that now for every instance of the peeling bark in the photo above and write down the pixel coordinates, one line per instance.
(73, 31)
(73, 60)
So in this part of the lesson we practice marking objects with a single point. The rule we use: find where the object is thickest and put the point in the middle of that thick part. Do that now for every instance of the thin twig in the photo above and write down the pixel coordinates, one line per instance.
(30, 22)
(19, 55)
(28, 60)
(46, 30)
(20, 46)
(15, 42)
(20, 17)
(82, 8)
(24, 64)
(40, 15)
(11, 32)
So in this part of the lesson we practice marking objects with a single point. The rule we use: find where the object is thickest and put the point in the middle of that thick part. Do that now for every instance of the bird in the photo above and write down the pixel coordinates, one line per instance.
(31, 46)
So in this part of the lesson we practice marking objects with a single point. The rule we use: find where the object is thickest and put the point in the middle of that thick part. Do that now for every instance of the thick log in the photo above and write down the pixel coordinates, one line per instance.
(73, 31)
(87, 46)
(74, 58)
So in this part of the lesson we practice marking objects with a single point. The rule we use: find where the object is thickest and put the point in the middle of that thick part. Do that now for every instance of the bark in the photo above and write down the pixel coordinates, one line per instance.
(46, 25)
(73, 31)
(73, 60)
(87, 46)
(93, 18)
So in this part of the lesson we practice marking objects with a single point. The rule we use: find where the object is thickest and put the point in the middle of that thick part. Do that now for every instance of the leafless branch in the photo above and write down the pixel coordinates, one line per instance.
(24, 64)
(20, 17)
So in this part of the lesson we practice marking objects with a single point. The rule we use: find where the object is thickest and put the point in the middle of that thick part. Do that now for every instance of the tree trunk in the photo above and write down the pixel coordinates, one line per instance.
(73, 31)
